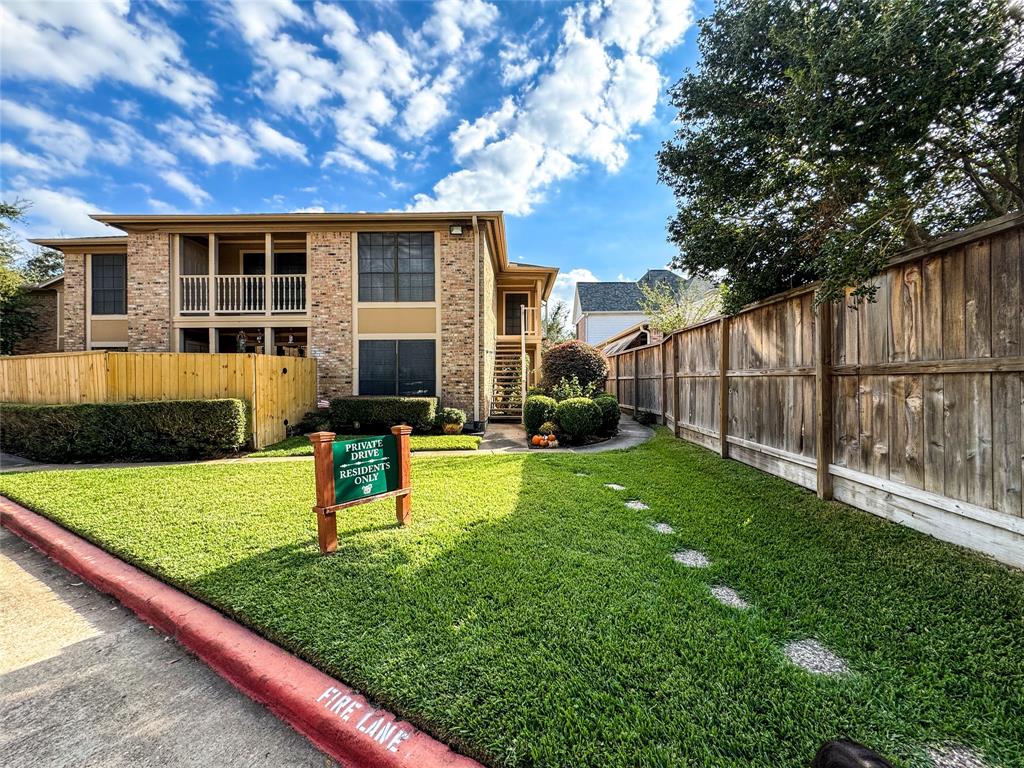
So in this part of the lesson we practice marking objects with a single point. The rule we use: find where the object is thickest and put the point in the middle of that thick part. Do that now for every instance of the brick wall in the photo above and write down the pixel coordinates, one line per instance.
(149, 292)
(74, 302)
(457, 320)
(330, 331)
(43, 337)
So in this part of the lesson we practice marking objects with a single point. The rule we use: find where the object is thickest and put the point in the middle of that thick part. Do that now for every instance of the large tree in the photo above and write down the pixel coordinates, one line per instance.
(820, 137)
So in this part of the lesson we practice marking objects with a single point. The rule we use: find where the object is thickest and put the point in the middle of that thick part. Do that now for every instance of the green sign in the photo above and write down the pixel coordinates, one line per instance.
(365, 467)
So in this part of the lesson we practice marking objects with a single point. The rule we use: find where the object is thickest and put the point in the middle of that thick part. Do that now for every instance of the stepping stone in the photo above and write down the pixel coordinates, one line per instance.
(581, 474)
(615, 486)
(636, 504)
(730, 597)
(815, 657)
(662, 528)
(954, 756)
(691, 558)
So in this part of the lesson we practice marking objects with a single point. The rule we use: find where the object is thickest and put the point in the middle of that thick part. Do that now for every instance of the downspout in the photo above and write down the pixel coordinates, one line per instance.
(477, 352)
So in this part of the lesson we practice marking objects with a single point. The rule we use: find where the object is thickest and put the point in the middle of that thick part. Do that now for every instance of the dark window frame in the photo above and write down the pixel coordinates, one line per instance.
(108, 284)
(396, 267)
(384, 367)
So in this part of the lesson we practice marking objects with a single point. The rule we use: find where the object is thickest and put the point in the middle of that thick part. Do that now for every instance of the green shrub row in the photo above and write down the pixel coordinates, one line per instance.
(159, 430)
(363, 413)
(577, 417)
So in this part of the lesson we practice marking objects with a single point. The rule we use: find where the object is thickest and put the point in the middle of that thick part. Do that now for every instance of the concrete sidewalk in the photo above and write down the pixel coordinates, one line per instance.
(84, 682)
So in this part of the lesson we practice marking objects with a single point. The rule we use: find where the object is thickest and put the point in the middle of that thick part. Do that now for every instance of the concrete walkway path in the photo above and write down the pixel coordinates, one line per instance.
(499, 439)
(84, 682)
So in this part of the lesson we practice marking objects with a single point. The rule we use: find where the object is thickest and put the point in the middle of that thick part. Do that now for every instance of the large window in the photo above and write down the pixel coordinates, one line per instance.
(109, 284)
(396, 266)
(404, 367)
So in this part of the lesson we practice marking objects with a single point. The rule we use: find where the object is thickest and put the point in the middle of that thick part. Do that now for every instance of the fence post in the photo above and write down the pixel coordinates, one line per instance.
(723, 387)
(823, 397)
(323, 468)
(636, 383)
(675, 384)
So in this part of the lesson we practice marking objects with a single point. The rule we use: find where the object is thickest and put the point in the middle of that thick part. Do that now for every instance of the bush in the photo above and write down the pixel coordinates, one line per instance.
(645, 417)
(574, 358)
(314, 421)
(382, 412)
(578, 418)
(167, 429)
(536, 391)
(548, 428)
(567, 388)
(537, 410)
(609, 406)
(451, 416)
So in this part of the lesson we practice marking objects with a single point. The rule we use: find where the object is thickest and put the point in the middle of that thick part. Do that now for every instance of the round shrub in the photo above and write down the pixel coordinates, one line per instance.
(578, 417)
(537, 410)
(450, 420)
(574, 358)
(548, 428)
(609, 406)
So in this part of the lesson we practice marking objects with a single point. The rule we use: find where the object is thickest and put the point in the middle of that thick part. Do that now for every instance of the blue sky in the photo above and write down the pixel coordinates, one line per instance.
(550, 111)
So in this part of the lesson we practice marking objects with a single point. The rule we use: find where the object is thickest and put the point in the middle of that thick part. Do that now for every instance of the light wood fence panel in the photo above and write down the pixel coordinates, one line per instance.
(923, 418)
(278, 390)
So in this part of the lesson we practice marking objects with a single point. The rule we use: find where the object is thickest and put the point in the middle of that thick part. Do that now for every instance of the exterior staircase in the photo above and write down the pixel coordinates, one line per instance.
(506, 402)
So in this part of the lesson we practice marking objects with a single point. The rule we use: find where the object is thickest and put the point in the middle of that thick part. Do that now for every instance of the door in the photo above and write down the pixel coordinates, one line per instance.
(514, 303)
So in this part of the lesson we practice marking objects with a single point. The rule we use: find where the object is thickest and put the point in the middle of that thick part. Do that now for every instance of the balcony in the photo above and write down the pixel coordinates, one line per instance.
(242, 294)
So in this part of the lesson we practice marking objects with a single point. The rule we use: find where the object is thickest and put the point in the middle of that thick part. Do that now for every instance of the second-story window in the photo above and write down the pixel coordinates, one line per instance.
(109, 284)
(396, 266)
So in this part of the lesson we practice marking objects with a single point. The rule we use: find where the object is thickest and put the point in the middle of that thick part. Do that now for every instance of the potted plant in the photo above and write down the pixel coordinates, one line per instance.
(451, 420)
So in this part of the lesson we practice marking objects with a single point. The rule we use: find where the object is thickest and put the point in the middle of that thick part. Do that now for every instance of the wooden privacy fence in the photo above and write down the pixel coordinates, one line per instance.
(279, 390)
(909, 407)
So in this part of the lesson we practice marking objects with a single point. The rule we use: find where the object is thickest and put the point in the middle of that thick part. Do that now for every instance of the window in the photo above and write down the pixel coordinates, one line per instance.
(289, 263)
(109, 284)
(404, 367)
(396, 266)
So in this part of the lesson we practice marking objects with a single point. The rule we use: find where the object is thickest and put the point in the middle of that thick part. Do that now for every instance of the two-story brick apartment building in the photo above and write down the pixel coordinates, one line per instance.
(388, 303)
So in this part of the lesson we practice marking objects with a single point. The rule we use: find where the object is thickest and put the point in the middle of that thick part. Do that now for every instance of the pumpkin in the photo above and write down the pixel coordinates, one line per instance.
(536, 439)
(552, 443)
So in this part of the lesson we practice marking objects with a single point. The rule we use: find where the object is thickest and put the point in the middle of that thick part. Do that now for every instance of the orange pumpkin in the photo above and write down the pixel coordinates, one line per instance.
(536, 439)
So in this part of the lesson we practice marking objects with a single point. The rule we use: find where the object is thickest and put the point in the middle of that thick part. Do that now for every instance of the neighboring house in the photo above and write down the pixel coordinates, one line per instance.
(602, 310)
(46, 301)
(388, 303)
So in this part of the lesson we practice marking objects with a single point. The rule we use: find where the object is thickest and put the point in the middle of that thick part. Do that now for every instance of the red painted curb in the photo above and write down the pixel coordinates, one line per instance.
(336, 718)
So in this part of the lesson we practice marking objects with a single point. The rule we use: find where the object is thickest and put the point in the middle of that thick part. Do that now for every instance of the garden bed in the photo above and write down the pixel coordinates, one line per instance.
(528, 616)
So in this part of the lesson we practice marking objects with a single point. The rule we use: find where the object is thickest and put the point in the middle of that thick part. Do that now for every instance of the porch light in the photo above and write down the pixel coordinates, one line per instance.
(454, 229)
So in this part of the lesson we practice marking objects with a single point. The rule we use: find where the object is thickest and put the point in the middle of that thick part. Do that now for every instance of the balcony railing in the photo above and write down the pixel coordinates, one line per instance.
(242, 294)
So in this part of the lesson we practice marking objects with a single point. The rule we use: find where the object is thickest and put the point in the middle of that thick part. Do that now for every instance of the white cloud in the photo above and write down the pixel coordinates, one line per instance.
(599, 86)
(277, 143)
(79, 43)
(450, 20)
(342, 158)
(309, 209)
(565, 284)
(177, 180)
(212, 139)
(516, 63)
(56, 212)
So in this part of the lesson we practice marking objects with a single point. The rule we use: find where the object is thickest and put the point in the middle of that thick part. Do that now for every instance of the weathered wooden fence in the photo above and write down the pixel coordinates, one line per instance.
(909, 407)
(279, 390)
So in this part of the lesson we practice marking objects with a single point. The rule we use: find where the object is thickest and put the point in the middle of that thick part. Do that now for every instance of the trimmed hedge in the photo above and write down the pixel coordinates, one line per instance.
(158, 430)
(537, 410)
(609, 405)
(574, 358)
(578, 418)
(370, 412)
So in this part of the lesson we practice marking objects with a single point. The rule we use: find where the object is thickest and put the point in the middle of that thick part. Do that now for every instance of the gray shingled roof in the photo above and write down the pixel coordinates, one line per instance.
(621, 297)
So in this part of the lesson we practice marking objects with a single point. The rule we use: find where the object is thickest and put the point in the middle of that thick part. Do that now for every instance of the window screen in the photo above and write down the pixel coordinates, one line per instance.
(396, 266)
(109, 284)
(405, 367)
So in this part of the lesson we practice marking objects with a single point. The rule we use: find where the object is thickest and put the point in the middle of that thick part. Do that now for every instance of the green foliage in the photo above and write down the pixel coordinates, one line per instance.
(567, 388)
(314, 421)
(382, 412)
(451, 416)
(820, 138)
(536, 391)
(168, 429)
(16, 317)
(517, 574)
(548, 428)
(578, 418)
(669, 311)
(556, 324)
(574, 359)
(609, 406)
(536, 410)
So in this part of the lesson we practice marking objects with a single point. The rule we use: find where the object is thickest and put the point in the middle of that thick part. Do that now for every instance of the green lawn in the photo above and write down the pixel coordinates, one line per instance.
(529, 618)
(300, 445)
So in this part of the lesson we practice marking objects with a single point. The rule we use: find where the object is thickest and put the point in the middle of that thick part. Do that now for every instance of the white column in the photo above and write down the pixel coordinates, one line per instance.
(268, 269)
(211, 256)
